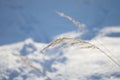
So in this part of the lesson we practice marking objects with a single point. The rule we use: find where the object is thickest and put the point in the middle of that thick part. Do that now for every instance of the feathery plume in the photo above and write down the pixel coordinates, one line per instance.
(29, 64)
(69, 41)
(77, 23)
(84, 44)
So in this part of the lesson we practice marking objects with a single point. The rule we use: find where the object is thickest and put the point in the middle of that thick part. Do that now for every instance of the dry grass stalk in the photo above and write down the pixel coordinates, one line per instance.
(112, 59)
(54, 43)
(84, 44)
(24, 61)
(77, 23)
(29, 64)
(70, 42)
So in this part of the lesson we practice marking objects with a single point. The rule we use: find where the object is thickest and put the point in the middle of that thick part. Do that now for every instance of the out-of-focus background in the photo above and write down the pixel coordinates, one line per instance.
(37, 19)
(27, 26)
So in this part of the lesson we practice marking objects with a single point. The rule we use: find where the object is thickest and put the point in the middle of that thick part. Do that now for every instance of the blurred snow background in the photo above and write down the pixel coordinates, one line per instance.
(26, 26)
(37, 19)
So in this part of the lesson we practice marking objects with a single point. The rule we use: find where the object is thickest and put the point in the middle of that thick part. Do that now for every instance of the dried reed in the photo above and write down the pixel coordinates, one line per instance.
(25, 62)
(72, 41)
(76, 23)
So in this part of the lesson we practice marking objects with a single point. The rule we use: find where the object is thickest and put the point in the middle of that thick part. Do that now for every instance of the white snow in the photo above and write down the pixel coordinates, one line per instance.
(24, 22)
(71, 63)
